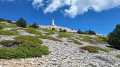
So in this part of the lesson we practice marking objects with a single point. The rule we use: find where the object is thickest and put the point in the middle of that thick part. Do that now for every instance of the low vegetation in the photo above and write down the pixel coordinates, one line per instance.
(74, 41)
(94, 49)
(8, 32)
(81, 51)
(11, 25)
(49, 31)
(50, 38)
(93, 40)
(77, 42)
(47, 34)
(1, 27)
(33, 31)
(54, 39)
(118, 56)
(27, 46)
(62, 34)
(43, 37)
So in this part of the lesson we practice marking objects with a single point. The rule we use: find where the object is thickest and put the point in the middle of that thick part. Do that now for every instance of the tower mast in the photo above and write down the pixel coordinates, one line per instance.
(52, 21)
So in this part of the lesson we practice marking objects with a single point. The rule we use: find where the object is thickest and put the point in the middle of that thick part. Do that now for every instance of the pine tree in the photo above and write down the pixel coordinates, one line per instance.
(60, 30)
(34, 25)
(114, 37)
(21, 22)
(79, 32)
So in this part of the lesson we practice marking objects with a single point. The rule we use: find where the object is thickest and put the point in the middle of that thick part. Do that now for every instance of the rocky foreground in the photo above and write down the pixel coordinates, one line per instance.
(64, 54)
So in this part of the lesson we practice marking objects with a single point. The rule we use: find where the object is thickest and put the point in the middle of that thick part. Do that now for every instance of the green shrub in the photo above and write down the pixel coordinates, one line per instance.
(91, 32)
(81, 51)
(34, 25)
(86, 32)
(1, 27)
(8, 32)
(64, 30)
(21, 22)
(9, 21)
(114, 37)
(53, 29)
(80, 32)
(93, 49)
(60, 29)
(31, 47)
(2, 19)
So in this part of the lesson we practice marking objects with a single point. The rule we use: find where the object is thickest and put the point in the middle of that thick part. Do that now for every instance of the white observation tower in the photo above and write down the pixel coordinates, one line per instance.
(52, 22)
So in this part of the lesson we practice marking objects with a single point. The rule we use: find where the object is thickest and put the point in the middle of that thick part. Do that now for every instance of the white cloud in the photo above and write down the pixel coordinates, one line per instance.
(77, 7)
(74, 7)
(56, 4)
(37, 3)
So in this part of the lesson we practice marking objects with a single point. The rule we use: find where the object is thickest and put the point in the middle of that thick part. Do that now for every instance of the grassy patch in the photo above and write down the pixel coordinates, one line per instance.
(44, 37)
(118, 56)
(93, 49)
(64, 34)
(81, 51)
(30, 47)
(69, 41)
(54, 39)
(101, 39)
(77, 42)
(49, 31)
(77, 37)
(33, 31)
(86, 38)
(93, 40)
(47, 34)
(10, 25)
(7, 32)
(50, 38)
(3, 25)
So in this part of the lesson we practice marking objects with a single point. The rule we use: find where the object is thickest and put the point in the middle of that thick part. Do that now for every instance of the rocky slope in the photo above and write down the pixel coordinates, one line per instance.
(63, 54)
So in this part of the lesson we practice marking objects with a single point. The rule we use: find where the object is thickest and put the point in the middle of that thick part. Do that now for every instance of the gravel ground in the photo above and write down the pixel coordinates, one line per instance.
(64, 54)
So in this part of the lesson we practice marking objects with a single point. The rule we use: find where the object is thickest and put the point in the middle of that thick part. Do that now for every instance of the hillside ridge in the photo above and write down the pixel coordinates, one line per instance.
(67, 49)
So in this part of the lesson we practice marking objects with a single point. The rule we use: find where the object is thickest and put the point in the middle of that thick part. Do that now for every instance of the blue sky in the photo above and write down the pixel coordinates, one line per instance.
(100, 16)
